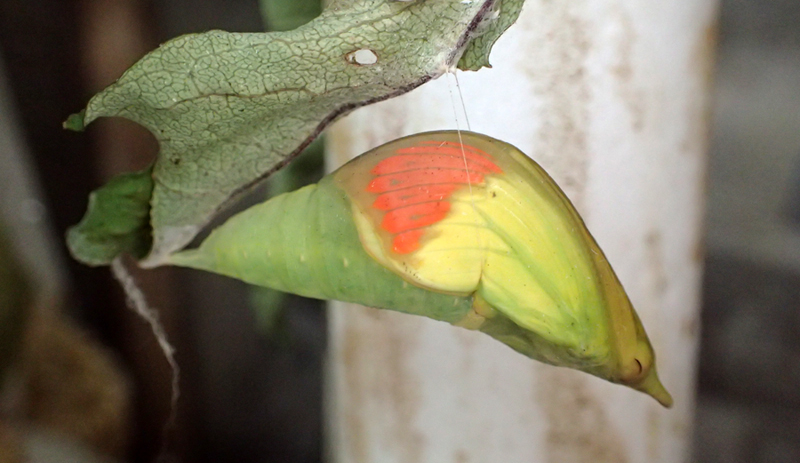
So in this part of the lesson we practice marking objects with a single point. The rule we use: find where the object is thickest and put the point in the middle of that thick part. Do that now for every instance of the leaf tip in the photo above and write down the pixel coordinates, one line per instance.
(75, 122)
(466, 65)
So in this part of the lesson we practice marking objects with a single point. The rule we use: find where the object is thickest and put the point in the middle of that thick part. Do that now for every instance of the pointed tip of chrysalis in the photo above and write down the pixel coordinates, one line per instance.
(652, 386)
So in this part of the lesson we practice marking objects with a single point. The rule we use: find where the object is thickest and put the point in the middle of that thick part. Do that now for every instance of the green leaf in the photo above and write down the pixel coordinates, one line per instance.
(229, 109)
(116, 221)
(476, 55)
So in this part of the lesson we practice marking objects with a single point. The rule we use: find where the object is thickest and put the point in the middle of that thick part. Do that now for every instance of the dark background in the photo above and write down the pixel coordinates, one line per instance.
(749, 382)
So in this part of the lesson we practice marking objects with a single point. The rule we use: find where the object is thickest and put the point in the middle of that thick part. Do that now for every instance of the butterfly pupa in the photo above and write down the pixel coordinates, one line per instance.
(461, 228)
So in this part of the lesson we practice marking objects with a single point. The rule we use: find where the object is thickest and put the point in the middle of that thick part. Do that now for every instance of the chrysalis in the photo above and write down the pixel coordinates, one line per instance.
(461, 228)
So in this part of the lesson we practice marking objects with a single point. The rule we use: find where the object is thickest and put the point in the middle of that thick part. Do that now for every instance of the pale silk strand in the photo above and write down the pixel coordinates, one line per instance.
(138, 303)
(461, 97)
(461, 142)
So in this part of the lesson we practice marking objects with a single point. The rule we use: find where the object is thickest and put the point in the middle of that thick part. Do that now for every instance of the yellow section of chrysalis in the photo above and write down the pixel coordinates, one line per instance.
(514, 243)
(498, 239)
(453, 250)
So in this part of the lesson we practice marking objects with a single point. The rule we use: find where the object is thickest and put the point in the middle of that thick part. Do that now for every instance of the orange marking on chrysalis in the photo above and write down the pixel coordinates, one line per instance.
(407, 242)
(414, 216)
(414, 186)
(417, 177)
(413, 195)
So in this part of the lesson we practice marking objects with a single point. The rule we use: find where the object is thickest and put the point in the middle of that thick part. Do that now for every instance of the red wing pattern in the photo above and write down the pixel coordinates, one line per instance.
(414, 186)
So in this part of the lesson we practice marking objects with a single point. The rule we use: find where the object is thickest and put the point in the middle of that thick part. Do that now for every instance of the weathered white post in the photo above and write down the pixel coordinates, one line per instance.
(611, 97)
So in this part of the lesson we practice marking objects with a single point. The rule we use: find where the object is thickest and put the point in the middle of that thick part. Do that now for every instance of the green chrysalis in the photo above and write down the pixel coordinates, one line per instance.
(458, 227)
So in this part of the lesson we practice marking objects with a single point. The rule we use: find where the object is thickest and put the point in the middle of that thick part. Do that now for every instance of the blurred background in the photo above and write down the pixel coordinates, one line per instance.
(84, 379)
(748, 406)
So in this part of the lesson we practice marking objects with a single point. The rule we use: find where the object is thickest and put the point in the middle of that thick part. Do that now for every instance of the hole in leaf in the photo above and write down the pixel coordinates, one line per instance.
(362, 57)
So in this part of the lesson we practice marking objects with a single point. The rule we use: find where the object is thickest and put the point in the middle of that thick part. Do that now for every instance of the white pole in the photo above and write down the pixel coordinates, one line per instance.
(610, 96)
